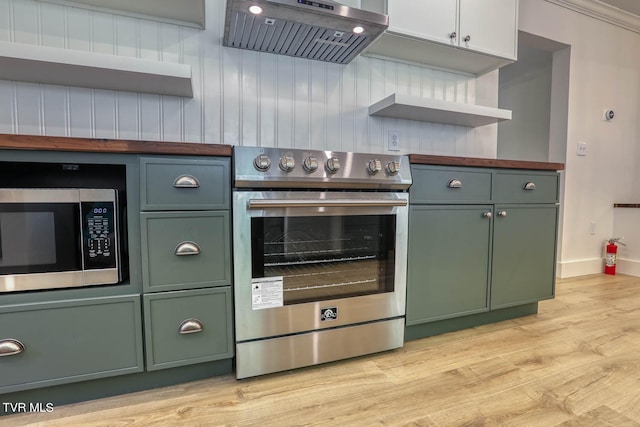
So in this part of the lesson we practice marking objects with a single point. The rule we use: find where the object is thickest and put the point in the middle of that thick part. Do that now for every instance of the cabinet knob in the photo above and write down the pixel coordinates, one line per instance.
(529, 186)
(502, 214)
(467, 39)
(10, 347)
(186, 181)
(453, 35)
(487, 215)
(187, 248)
(190, 326)
(455, 183)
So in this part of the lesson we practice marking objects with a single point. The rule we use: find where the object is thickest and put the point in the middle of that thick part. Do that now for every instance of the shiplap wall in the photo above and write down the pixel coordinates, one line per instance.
(240, 97)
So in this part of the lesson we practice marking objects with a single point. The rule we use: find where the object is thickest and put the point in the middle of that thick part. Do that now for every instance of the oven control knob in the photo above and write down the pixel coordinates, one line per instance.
(310, 164)
(374, 166)
(333, 165)
(287, 163)
(393, 167)
(262, 163)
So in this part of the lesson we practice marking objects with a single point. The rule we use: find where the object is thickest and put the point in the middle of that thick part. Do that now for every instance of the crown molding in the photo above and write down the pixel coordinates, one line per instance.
(602, 12)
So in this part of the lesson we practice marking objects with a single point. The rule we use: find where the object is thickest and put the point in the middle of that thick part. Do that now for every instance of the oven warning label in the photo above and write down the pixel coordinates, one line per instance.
(266, 292)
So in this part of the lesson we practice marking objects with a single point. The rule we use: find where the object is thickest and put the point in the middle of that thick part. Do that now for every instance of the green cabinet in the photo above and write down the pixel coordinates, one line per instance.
(185, 224)
(186, 260)
(180, 183)
(67, 341)
(183, 250)
(186, 327)
(177, 226)
(479, 240)
(523, 263)
(448, 261)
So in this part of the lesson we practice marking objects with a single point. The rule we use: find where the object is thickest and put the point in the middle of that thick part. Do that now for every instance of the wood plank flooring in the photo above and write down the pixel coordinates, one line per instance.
(575, 363)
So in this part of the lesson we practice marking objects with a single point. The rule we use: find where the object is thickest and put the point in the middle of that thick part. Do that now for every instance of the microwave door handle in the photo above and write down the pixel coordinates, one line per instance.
(341, 203)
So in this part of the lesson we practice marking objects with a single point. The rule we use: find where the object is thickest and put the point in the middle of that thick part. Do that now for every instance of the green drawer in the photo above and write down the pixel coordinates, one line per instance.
(435, 185)
(187, 327)
(70, 341)
(170, 245)
(527, 187)
(176, 184)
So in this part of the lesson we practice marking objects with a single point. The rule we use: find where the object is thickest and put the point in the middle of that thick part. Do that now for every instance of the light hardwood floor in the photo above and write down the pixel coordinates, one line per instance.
(575, 363)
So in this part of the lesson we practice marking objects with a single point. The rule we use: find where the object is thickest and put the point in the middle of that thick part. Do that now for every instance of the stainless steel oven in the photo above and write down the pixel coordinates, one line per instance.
(320, 242)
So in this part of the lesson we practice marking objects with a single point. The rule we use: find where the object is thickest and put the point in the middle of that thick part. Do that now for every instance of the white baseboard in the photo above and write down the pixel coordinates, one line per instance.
(628, 266)
(579, 267)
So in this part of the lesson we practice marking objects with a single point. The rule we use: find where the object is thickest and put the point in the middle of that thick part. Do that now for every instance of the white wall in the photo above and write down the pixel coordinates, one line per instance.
(526, 136)
(241, 97)
(604, 73)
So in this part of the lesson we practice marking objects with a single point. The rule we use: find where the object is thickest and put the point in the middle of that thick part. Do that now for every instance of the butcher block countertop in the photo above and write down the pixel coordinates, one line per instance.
(423, 159)
(63, 143)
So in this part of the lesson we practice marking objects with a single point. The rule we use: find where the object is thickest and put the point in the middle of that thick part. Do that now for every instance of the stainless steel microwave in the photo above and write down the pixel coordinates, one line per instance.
(58, 238)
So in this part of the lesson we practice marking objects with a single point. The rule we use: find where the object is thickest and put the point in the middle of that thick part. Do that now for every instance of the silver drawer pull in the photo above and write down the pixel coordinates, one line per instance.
(187, 248)
(502, 214)
(10, 347)
(186, 181)
(487, 215)
(190, 326)
(455, 183)
(529, 186)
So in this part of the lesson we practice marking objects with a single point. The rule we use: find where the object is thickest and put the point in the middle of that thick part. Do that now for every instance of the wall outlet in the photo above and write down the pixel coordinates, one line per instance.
(394, 140)
(582, 149)
(592, 227)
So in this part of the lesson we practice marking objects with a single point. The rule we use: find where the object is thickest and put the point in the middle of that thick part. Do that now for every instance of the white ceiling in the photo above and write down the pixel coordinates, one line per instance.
(631, 6)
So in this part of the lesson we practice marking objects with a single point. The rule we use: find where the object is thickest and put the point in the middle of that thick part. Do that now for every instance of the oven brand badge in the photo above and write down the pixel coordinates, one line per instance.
(329, 313)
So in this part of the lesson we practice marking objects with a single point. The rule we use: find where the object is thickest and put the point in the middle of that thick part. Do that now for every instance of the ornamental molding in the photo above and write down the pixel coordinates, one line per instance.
(602, 12)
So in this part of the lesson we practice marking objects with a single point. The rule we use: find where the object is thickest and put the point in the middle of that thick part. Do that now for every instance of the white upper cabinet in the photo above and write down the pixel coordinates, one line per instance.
(472, 36)
(429, 19)
(490, 27)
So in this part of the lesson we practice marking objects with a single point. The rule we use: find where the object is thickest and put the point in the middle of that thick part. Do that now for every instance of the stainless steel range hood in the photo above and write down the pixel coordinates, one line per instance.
(322, 30)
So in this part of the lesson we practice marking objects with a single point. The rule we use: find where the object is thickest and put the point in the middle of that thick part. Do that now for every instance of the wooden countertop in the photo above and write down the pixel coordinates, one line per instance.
(423, 159)
(58, 143)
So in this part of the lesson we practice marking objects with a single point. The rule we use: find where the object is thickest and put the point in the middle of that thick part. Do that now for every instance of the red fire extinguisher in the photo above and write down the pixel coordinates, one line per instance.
(611, 255)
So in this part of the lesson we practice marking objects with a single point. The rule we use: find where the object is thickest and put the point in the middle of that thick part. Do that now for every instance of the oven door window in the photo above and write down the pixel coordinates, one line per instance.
(325, 257)
(39, 238)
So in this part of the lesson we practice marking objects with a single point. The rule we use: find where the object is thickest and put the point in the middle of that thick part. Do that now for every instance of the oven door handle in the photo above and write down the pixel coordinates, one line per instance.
(341, 203)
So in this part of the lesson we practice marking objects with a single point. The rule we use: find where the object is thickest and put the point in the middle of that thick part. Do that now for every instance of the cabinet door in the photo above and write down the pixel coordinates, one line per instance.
(524, 254)
(491, 26)
(69, 341)
(430, 19)
(448, 262)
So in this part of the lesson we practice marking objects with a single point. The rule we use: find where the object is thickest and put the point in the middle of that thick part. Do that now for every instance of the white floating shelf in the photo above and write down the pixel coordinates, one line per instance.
(431, 110)
(49, 65)
(183, 12)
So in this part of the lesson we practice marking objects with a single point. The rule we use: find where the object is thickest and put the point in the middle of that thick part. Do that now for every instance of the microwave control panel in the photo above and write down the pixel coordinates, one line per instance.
(99, 235)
